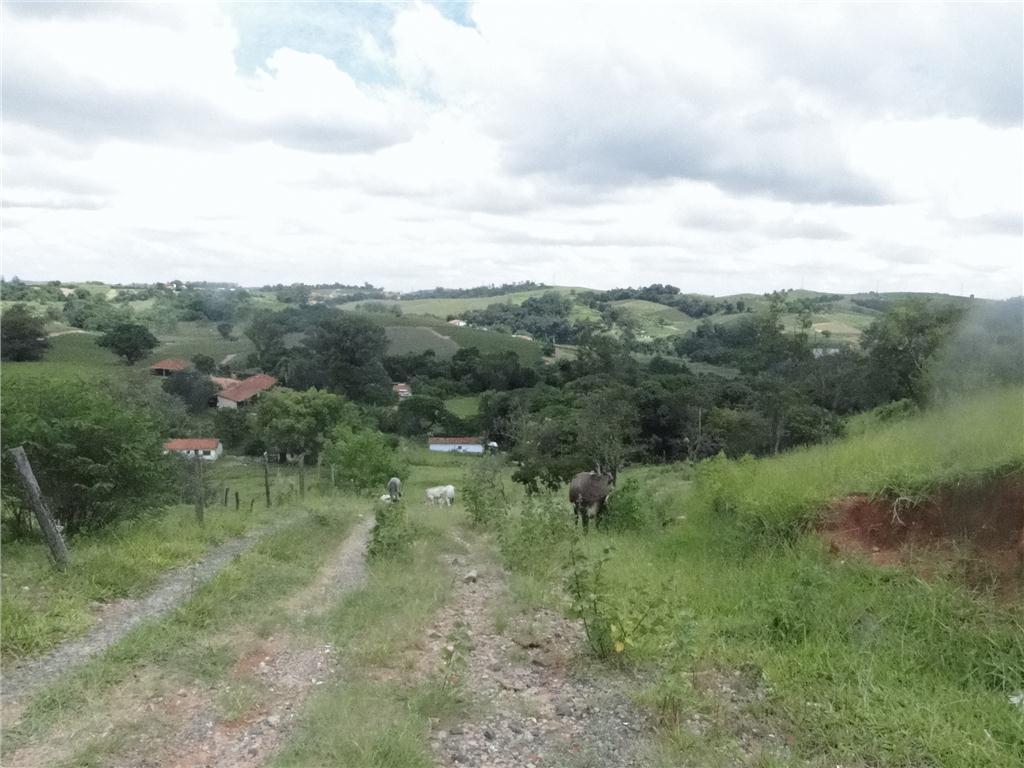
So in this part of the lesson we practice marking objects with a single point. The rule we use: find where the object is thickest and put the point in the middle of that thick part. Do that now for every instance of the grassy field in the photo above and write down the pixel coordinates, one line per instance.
(443, 308)
(657, 320)
(405, 339)
(465, 407)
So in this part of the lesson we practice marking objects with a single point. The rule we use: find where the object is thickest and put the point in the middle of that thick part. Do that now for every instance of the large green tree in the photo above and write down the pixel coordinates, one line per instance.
(347, 351)
(22, 334)
(299, 422)
(900, 344)
(130, 341)
(194, 388)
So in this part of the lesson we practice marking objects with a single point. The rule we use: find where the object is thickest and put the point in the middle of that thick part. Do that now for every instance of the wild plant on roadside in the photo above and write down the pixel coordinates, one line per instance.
(612, 624)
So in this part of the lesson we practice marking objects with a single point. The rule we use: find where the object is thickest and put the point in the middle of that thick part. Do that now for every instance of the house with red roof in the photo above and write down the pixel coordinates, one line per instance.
(245, 392)
(206, 448)
(169, 366)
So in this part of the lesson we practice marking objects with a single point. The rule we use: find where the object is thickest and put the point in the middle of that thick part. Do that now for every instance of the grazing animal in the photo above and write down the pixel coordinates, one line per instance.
(588, 492)
(395, 488)
(386, 498)
(441, 494)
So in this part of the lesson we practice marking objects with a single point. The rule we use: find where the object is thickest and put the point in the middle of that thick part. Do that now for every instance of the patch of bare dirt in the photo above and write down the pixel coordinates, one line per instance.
(982, 529)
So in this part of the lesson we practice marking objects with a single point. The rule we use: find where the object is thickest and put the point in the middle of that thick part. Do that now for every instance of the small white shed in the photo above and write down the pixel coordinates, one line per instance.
(456, 444)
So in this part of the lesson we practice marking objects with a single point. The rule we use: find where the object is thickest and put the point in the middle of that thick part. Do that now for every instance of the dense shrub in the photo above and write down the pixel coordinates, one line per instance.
(484, 494)
(364, 459)
(392, 534)
(96, 457)
(626, 508)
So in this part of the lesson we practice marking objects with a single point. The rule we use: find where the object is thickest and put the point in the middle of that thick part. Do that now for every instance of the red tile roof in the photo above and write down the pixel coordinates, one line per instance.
(192, 444)
(171, 364)
(454, 440)
(249, 387)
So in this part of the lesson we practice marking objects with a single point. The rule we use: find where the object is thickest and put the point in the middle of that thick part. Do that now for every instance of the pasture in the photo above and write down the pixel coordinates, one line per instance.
(443, 308)
(465, 406)
(406, 340)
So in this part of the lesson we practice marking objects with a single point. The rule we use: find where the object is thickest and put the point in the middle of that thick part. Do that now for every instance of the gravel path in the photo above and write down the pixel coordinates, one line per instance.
(119, 618)
(538, 705)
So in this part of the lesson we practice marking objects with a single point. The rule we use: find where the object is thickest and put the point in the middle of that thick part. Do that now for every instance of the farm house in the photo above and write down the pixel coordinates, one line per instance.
(456, 444)
(402, 389)
(208, 448)
(245, 392)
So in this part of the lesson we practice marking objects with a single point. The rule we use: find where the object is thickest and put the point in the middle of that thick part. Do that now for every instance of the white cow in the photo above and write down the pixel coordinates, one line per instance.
(386, 498)
(441, 494)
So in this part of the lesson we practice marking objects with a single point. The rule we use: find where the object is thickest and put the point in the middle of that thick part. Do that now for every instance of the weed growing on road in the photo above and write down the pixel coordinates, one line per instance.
(391, 533)
(613, 623)
(484, 493)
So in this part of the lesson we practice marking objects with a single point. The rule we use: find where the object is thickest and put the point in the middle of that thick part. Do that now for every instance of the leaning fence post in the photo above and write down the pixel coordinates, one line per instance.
(266, 476)
(238, 501)
(35, 499)
(226, 489)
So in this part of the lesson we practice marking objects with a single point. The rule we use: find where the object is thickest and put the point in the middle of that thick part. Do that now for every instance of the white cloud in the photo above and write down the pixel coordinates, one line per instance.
(724, 150)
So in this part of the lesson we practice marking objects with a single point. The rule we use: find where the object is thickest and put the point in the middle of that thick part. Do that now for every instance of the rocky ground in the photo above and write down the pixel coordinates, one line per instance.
(534, 703)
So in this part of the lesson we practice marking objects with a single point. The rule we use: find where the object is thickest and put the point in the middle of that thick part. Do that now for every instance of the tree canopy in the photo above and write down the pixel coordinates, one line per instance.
(22, 334)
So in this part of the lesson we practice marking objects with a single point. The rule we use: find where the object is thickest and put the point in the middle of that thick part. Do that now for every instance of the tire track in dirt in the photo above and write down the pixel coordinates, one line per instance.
(185, 728)
(120, 617)
(538, 705)
(283, 668)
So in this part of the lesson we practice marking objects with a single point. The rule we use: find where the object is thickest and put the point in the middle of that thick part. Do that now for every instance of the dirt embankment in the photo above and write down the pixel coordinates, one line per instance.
(979, 527)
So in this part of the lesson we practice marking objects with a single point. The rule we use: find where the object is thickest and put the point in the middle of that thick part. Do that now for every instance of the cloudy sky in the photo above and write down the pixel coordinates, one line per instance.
(722, 149)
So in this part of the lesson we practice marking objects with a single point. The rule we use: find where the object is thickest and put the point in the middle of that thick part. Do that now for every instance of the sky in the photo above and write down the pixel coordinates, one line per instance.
(720, 148)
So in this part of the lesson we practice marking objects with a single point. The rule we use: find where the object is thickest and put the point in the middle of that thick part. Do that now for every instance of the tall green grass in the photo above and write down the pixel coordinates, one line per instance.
(780, 497)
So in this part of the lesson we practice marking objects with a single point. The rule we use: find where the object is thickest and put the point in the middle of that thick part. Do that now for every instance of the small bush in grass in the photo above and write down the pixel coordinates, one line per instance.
(484, 493)
(392, 533)
(532, 540)
(625, 507)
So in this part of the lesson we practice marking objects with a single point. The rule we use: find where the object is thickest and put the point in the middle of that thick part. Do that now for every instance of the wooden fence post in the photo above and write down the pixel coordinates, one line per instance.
(238, 501)
(35, 499)
(252, 502)
(200, 491)
(226, 489)
(266, 476)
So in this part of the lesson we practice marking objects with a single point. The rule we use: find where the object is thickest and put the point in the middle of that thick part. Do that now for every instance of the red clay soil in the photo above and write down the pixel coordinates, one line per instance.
(983, 524)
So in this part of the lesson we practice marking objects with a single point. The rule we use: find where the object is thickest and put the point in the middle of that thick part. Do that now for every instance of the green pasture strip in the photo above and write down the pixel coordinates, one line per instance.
(465, 407)
(376, 713)
(192, 338)
(43, 607)
(493, 341)
(193, 645)
(405, 340)
(444, 307)
(958, 443)
(862, 665)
